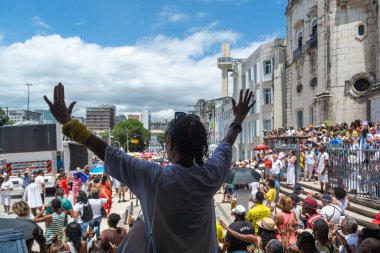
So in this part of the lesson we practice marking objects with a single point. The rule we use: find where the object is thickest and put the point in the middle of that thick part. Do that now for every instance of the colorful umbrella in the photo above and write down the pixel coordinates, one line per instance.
(83, 177)
(242, 175)
(97, 170)
(261, 147)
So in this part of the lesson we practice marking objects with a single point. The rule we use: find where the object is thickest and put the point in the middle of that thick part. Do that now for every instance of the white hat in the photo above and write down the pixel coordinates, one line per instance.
(239, 209)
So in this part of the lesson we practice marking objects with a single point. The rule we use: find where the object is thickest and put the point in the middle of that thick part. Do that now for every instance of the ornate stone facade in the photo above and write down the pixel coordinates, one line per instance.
(333, 61)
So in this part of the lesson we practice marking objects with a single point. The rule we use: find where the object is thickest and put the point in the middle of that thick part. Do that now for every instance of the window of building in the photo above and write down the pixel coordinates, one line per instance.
(314, 28)
(267, 124)
(268, 96)
(299, 119)
(361, 30)
(314, 82)
(311, 116)
(299, 40)
(299, 88)
(362, 85)
(268, 67)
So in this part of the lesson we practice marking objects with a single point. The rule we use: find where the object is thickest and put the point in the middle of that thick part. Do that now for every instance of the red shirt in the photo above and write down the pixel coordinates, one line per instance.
(268, 164)
(63, 184)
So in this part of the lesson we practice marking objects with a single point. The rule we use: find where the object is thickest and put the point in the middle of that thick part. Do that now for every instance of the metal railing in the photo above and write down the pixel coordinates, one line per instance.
(312, 42)
(356, 169)
(298, 52)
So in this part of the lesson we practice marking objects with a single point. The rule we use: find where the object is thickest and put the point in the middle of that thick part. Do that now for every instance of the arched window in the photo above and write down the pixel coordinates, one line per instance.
(361, 30)
(314, 28)
(299, 40)
(362, 85)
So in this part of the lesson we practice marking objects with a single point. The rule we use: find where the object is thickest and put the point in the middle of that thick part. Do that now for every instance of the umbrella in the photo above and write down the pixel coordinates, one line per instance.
(261, 147)
(83, 176)
(336, 141)
(25, 225)
(97, 170)
(241, 175)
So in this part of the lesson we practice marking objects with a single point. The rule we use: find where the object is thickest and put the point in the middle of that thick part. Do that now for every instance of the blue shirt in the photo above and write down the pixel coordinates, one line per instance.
(184, 217)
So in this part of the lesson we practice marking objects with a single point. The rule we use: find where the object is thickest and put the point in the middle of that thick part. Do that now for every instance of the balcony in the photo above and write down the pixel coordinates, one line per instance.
(312, 42)
(298, 52)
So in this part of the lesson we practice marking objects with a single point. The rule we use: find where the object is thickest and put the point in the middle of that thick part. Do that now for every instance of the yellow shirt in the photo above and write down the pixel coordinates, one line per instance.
(271, 195)
(219, 232)
(257, 213)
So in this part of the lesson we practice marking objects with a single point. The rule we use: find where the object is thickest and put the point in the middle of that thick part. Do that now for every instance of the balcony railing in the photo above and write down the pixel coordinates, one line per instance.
(298, 52)
(312, 42)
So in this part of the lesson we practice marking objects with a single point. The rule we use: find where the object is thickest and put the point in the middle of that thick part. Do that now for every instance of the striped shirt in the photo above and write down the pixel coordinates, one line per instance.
(55, 227)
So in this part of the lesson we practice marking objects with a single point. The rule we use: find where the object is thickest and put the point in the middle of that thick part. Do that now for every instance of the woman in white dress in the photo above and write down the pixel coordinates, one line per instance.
(290, 175)
(33, 196)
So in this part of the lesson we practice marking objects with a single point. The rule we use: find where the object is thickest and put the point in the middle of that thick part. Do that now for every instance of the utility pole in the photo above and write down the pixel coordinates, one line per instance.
(27, 110)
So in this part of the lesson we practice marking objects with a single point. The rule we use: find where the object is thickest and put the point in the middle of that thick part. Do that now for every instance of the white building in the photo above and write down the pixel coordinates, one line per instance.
(263, 72)
(333, 57)
(145, 118)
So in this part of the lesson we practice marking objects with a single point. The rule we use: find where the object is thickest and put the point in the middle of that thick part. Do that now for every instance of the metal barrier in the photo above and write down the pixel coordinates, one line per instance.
(355, 169)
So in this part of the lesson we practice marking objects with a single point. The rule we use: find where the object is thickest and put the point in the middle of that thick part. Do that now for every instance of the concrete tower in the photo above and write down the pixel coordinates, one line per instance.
(225, 63)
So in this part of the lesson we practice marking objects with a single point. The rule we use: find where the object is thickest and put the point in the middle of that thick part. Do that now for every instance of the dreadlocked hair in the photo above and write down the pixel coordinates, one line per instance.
(82, 197)
(189, 137)
(74, 235)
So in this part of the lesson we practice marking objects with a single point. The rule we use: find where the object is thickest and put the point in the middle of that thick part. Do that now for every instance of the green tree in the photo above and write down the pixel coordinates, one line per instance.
(161, 139)
(4, 120)
(131, 129)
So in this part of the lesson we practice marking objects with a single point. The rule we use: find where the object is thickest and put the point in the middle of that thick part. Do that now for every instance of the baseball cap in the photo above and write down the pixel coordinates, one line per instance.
(297, 188)
(310, 203)
(377, 220)
(326, 198)
(239, 209)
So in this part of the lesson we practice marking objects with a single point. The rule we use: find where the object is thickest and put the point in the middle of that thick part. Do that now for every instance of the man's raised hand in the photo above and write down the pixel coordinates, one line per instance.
(242, 108)
(58, 108)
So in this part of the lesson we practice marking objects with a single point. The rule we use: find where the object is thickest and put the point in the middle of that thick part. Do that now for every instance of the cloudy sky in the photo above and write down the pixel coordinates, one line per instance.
(135, 54)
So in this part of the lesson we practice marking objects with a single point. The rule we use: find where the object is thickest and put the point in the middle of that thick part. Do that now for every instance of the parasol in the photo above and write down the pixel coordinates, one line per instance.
(242, 175)
(261, 147)
(97, 170)
(83, 177)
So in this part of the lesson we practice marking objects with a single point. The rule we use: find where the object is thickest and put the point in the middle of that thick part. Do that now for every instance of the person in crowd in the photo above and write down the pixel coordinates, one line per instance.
(309, 210)
(219, 233)
(276, 167)
(96, 205)
(85, 185)
(310, 162)
(301, 174)
(95, 185)
(33, 197)
(258, 212)
(110, 238)
(297, 210)
(268, 166)
(323, 166)
(62, 183)
(121, 190)
(75, 243)
(341, 200)
(321, 233)
(290, 219)
(305, 243)
(274, 246)
(6, 189)
(82, 211)
(290, 175)
(266, 231)
(376, 221)
(53, 222)
(369, 245)
(241, 197)
(186, 145)
(270, 196)
(331, 212)
(105, 192)
(254, 187)
(40, 182)
(22, 210)
(25, 178)
(282, 158)
(349, 228)
(240, 225)
(65, 204)
(77, 185)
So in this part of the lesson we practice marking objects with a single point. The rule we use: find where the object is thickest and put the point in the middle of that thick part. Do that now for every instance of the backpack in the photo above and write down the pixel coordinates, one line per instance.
(87, 214)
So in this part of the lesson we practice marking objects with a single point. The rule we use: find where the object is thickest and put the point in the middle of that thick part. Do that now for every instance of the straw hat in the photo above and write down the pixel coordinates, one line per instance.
(267, 224)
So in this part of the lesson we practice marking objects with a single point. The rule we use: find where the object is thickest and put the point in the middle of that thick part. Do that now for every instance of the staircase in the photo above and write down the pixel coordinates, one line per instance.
(362, 210)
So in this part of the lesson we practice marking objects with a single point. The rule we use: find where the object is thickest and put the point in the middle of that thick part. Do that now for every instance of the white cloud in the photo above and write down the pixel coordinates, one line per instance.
(39, 23)
(80, 23)
(164, 74)
(170, 14)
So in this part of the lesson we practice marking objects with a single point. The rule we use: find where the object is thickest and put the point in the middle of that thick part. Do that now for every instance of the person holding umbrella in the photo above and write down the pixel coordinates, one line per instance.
(183, 191)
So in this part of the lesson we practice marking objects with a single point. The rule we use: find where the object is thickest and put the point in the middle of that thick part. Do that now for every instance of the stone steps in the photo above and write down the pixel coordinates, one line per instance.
(364, 217)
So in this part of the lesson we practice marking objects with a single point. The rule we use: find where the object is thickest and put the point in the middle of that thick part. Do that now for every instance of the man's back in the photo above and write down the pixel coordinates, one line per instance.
(257, 213)
(242, 227)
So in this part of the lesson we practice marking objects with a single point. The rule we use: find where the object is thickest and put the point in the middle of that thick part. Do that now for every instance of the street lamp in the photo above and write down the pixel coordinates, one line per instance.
(27, 110)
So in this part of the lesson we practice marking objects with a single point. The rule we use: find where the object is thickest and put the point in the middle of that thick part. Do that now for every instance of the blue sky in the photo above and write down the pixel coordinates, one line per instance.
(29, 29)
